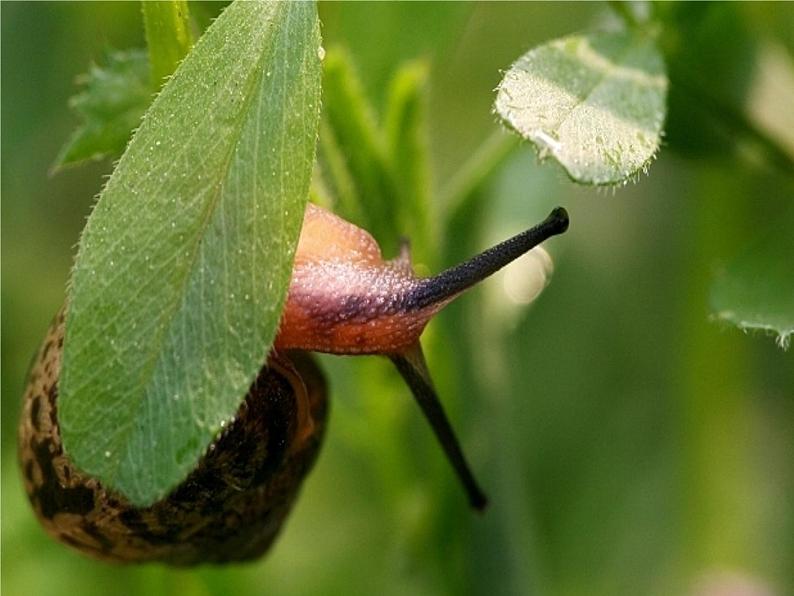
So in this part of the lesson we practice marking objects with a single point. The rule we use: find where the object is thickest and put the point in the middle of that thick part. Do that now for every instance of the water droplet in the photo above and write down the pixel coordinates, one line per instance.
(107, 453)
(321, 53)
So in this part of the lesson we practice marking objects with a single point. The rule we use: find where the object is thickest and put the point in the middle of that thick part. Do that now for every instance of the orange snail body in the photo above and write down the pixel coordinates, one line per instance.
(343, 299)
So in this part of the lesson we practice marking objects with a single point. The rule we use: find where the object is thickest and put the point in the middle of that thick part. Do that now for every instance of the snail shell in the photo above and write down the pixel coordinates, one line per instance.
(230, 508)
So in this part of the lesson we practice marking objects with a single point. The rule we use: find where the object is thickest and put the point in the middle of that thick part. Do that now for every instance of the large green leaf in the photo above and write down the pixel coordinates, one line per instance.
(756, 290)
(596, 103)
(183, 265)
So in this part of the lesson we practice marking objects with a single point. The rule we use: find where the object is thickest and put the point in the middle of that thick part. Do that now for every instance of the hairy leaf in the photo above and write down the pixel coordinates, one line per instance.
(115, 98)
(184, 264)
(596, 103)
(756, 290)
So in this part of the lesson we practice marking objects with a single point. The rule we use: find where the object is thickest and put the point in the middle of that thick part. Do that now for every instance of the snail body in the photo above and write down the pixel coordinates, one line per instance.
(344, 298)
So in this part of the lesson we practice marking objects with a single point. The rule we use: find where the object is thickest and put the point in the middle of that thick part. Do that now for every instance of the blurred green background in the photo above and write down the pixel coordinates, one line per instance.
(628, 444)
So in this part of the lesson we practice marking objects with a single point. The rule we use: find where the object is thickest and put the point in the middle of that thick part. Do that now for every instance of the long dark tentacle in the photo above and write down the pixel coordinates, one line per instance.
(413, 369)
(446, 284)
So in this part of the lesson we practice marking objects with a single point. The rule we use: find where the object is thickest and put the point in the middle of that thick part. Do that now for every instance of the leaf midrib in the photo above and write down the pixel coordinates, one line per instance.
(601, 80)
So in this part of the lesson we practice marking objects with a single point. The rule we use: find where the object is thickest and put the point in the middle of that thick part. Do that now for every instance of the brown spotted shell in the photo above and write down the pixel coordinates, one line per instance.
(230, 508)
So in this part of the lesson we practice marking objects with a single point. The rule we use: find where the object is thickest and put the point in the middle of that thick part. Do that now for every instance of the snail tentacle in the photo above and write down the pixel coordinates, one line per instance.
(413, 369)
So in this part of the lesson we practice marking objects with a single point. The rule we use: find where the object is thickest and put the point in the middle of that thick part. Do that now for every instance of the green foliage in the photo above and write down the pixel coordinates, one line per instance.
(377, 174)
(168, 36)
(711, 82)
(756, 290)
(405, 131)
(117, 94)
(361, 147)
(596, 103)
(184, 263)
(629, 445)
(114, 98)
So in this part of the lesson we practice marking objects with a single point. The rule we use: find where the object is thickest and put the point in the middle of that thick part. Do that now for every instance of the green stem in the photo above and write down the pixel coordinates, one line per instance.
(624, 11)
(736, 122)
(333, 166)
(168, 36)
(476, 170)
(715, 405)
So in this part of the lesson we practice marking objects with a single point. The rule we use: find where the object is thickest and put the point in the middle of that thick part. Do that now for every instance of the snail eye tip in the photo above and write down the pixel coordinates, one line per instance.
(560, 216)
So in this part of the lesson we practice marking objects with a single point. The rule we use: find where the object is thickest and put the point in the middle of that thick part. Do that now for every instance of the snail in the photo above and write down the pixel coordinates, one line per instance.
(343, 298)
